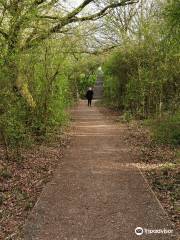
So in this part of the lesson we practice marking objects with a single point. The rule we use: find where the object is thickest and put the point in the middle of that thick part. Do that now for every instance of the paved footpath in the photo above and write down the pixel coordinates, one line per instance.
(96, 192)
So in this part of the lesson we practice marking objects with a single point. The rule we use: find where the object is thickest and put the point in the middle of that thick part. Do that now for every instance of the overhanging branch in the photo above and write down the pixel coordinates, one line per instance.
(103, 12)
(72, 18)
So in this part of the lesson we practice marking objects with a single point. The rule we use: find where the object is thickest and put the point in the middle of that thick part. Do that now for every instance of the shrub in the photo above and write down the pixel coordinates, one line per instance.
(167, 130)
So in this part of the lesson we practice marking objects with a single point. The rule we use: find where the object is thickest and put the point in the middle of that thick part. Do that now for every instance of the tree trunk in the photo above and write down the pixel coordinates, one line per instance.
(16, 77)
(22, 87)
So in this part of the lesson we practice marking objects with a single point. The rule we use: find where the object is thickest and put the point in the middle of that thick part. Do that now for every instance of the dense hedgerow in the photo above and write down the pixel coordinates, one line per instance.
(142, 75)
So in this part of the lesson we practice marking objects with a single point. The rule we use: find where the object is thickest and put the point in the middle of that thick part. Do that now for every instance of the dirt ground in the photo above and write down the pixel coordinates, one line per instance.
(22, 179)
(97, 192)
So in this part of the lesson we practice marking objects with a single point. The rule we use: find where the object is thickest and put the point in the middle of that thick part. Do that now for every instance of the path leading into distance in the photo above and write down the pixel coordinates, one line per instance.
(96, 192)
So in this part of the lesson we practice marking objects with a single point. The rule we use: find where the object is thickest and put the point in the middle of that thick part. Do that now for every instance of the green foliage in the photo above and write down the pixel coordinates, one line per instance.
(84, 82)
(46, 74)
(167, 129)
(172, 12)
(143, 77)
(51, 88)
(86, 71)
(39, 80)
(13, 120)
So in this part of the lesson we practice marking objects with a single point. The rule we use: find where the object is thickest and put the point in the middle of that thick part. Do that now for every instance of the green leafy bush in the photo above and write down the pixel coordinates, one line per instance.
(13, 120)
(167, 130)
(142, 75)
(46, 73)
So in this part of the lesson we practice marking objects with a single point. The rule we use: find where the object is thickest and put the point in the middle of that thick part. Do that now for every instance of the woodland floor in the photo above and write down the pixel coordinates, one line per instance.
(22, 180)
(99, 189)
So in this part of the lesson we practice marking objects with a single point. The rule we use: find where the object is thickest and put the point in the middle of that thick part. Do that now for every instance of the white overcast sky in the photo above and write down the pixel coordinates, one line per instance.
(70, 4)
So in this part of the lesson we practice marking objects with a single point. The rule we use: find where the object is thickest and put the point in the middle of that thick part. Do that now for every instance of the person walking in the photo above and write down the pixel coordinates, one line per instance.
(89, 96)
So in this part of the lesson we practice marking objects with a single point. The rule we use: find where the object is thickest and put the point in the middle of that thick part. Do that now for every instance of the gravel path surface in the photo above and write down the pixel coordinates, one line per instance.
(96, 192)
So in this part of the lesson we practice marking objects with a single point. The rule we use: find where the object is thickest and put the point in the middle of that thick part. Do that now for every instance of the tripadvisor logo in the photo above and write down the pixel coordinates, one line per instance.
(139, 231)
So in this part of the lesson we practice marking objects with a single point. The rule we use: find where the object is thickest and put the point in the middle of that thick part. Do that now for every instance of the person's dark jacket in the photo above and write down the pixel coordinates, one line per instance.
(89, 94)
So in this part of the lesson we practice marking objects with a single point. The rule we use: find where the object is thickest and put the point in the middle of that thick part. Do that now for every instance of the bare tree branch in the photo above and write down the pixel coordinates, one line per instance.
(72, 18)
(104, 11)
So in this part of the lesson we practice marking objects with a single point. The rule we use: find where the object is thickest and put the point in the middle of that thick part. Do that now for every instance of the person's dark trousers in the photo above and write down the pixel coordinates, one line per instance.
(89, 102)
